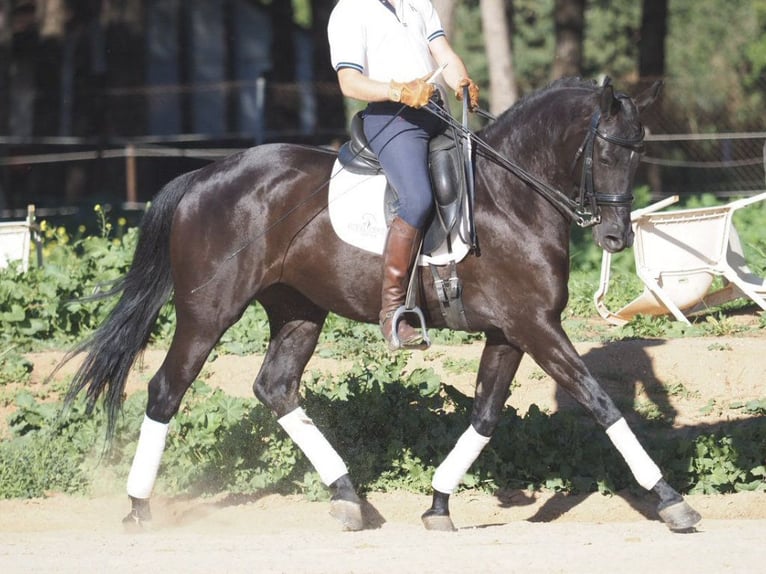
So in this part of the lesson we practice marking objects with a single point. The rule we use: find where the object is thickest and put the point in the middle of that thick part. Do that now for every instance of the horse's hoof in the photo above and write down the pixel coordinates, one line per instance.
(348, 513)
(133, 523)
(437, 522)
(139, 516)
(680, 517)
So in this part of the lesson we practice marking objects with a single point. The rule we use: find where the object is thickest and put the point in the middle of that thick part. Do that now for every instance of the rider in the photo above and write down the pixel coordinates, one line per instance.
(385, 52)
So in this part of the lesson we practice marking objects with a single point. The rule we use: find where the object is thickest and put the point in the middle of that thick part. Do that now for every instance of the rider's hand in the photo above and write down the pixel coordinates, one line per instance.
(415, 93)
(473, 93)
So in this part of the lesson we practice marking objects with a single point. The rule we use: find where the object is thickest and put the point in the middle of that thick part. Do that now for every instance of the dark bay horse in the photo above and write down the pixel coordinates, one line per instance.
(255, 227)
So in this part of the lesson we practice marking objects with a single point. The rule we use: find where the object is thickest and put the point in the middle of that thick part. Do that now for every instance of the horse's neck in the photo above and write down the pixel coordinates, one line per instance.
(543, 152)
(544, 156)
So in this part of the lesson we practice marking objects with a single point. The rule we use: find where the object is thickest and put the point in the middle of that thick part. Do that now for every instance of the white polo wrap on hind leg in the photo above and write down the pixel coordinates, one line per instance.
(301, 429)
(641, 465)
(458, 461)
(146, 462)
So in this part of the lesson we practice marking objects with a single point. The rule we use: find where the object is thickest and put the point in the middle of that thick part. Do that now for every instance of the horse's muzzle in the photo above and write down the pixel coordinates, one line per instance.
(613, 238)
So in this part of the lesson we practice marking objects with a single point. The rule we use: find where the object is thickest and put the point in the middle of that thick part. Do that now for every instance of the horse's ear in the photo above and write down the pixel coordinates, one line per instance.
(608, 103)
(647, 97)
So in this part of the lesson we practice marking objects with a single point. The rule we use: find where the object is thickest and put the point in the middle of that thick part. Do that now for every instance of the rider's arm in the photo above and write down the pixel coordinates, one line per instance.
(355, 85)
(444, 54)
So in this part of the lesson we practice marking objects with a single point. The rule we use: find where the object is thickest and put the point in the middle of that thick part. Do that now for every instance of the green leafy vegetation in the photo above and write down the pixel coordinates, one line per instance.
(713, 73)
(391, 424)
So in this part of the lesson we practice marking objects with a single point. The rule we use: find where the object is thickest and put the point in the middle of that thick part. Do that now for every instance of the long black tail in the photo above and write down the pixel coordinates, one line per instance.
(113, 347)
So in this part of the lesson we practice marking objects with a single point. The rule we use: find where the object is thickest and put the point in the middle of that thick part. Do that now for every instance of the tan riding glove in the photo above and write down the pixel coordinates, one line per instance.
(473, 93)
(415, 93)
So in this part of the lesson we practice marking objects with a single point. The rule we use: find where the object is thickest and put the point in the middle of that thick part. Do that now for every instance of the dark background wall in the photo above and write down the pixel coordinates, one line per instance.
(87, 76)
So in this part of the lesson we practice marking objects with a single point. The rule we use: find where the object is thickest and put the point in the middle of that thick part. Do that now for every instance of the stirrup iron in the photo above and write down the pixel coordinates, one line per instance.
(410, 307)
(398, 316)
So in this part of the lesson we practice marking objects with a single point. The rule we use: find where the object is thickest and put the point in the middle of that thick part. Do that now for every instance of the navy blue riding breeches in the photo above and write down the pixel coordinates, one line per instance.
(401, 145)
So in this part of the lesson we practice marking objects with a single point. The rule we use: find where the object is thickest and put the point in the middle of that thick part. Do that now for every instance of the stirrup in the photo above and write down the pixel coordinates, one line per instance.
(398, 315)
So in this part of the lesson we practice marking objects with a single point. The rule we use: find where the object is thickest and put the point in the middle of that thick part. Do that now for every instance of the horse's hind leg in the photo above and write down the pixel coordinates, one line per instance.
(192, 343)
(499, 362)
(557, 356)
(295, 325)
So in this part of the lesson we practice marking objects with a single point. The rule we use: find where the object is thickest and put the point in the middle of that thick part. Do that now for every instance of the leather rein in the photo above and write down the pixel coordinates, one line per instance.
(585, 210)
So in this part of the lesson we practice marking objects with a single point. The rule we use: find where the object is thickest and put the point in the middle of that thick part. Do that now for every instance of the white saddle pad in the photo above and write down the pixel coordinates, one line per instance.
(357, 213)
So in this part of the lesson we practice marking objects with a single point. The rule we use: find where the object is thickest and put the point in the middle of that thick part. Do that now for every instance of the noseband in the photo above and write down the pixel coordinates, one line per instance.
(589, 215)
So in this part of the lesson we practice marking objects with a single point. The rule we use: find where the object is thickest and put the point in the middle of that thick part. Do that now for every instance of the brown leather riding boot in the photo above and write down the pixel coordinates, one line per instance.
(402, 244)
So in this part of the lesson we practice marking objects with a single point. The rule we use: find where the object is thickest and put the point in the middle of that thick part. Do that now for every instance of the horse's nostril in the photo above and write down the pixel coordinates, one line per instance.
(613, 242)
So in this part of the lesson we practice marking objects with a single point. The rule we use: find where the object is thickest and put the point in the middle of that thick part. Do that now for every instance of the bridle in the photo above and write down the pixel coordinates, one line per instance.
(589, 215)
(585, 210)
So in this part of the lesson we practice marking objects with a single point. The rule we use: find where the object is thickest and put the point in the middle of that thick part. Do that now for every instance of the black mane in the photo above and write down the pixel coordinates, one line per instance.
(509, 116)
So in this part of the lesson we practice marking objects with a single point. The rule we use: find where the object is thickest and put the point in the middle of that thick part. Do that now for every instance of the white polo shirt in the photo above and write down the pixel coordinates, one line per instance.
(381, 42)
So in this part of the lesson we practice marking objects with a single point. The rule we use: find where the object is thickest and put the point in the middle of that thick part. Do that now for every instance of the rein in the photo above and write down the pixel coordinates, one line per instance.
(575, 210)
(583, 215)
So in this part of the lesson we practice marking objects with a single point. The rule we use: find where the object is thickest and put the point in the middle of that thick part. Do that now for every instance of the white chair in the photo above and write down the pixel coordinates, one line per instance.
(677, 256)
(16, 238)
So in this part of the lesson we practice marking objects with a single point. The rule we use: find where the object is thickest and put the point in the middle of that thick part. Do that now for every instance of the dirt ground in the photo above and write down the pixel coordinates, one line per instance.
(693, 382)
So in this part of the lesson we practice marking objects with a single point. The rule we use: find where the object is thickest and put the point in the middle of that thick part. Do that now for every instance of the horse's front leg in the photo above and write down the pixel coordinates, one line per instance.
(499, 362)
(556, 355)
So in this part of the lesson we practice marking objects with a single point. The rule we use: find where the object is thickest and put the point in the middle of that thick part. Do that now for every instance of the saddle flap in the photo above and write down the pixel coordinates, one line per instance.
(448, 185)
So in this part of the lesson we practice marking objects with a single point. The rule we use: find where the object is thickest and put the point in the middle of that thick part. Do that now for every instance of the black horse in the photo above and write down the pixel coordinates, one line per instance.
(255, 227)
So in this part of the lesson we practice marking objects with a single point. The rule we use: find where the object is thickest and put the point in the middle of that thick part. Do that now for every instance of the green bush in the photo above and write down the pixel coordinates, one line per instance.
(32, 466)
(391, 425)
(45, 307)
(14, 367)
(46, 452)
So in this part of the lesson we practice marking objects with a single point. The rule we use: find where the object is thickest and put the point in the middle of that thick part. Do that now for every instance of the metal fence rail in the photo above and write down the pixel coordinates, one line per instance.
(724, 165)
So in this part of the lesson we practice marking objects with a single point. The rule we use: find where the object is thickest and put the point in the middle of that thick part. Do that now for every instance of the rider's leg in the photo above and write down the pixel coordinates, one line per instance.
(402, 245)
(400, 140)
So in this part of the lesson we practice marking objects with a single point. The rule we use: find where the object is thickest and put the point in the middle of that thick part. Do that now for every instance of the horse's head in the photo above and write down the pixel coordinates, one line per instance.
(608, 159)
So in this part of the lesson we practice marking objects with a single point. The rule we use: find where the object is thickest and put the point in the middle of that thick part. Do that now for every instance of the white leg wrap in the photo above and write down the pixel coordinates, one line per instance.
(641, 465)
(458, 461)
(314, 445)
(146, 462)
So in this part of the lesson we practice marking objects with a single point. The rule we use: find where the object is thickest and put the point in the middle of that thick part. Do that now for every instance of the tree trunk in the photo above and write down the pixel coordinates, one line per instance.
(446, 11)
(569, 21)
(503, 91)
(125, 67)
(5, 63)
(651, 66)
(332, 119)
(654, 25)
